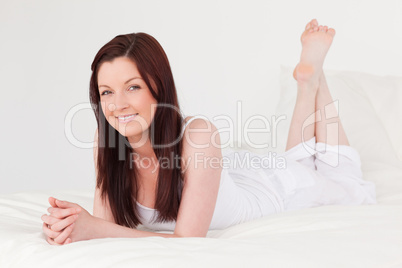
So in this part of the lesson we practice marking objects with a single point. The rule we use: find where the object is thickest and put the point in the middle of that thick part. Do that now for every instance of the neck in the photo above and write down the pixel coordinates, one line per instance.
(143, 152)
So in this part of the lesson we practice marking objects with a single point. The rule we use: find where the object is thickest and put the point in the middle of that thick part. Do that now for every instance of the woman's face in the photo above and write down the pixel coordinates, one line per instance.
(124, 93)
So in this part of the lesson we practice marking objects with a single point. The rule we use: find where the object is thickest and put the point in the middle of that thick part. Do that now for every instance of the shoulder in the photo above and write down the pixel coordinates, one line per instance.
(200, 130)
(187, 118)
(201, 140)
(196, 122)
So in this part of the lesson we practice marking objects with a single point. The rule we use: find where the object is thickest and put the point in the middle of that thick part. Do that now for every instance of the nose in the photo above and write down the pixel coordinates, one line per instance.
(120, 101)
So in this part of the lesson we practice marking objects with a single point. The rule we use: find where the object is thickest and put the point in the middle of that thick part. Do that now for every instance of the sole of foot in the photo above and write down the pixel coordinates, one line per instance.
(316, 41)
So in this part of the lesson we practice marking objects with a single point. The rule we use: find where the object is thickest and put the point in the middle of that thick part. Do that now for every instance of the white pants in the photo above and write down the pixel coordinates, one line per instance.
(320, 174)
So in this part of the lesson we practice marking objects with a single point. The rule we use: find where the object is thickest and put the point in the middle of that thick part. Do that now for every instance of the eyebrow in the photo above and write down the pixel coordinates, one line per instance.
(124, 83)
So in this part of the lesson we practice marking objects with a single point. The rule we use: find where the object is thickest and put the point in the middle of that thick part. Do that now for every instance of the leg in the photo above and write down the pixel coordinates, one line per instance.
(316, 41)
(304, 108)
(329, 115)
(328, 184)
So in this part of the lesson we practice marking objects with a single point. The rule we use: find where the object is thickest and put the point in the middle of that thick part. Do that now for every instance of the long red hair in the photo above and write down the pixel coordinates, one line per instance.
(115, 177)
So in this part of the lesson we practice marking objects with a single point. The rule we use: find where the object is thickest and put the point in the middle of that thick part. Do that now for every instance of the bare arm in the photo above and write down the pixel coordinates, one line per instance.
(108, 229)
(202, 161)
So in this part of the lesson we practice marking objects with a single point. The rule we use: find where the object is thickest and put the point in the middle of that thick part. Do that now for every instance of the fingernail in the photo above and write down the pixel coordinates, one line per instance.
(77, 210)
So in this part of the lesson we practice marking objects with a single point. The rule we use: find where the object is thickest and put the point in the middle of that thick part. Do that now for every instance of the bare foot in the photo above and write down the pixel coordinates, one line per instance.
(316, 40)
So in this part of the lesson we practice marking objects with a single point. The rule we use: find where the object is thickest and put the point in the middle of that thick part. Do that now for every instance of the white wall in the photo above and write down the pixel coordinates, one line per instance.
(220, 52)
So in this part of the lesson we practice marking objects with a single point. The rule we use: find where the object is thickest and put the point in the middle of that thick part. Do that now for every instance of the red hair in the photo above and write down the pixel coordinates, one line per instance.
(116, 178)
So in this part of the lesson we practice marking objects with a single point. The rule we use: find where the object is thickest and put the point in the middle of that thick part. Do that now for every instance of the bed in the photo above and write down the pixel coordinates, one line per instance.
(330, 236)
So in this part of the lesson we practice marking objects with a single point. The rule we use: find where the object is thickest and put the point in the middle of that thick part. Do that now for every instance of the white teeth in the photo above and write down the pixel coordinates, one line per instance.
(127, 117)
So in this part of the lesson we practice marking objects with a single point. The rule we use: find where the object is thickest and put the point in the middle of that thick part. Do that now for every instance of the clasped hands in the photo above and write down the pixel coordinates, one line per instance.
(67, 223)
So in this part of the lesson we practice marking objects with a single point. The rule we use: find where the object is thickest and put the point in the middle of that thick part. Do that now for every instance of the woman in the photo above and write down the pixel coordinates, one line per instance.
(140, 126)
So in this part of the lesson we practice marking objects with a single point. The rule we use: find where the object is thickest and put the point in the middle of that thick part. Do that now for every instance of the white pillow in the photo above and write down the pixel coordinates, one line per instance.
(368, 109)
(385, 95)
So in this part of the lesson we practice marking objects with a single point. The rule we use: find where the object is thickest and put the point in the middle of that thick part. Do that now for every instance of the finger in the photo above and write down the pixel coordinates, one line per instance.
(51, 242)
(64, 223)
(65, 204)
(62, 212)
(50, 233)
(52, 202)
(68, 241)
(61, 239)
(48, 219)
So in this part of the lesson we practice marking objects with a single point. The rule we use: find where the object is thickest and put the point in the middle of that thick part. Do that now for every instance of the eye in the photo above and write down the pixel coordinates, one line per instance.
(103, 93)
(135, 87)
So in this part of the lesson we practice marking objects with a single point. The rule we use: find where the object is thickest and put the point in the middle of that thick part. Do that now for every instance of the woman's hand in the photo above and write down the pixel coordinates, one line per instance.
(60, 223)
(69, 223)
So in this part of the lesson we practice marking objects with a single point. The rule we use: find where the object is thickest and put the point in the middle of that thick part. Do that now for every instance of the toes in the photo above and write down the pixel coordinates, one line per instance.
(311, 24)
(314, 23)
(331, 31)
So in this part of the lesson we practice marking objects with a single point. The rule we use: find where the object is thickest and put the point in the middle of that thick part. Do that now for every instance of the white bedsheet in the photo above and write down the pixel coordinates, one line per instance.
(330, 236)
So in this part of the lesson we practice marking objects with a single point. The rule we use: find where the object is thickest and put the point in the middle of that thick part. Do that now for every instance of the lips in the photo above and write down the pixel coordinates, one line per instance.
(126, 118)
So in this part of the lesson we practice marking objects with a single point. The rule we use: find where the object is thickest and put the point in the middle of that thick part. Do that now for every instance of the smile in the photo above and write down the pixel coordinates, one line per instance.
(127, 118)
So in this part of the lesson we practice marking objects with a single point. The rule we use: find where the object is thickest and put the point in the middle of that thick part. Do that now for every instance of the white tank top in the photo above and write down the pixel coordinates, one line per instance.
(244, 194)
